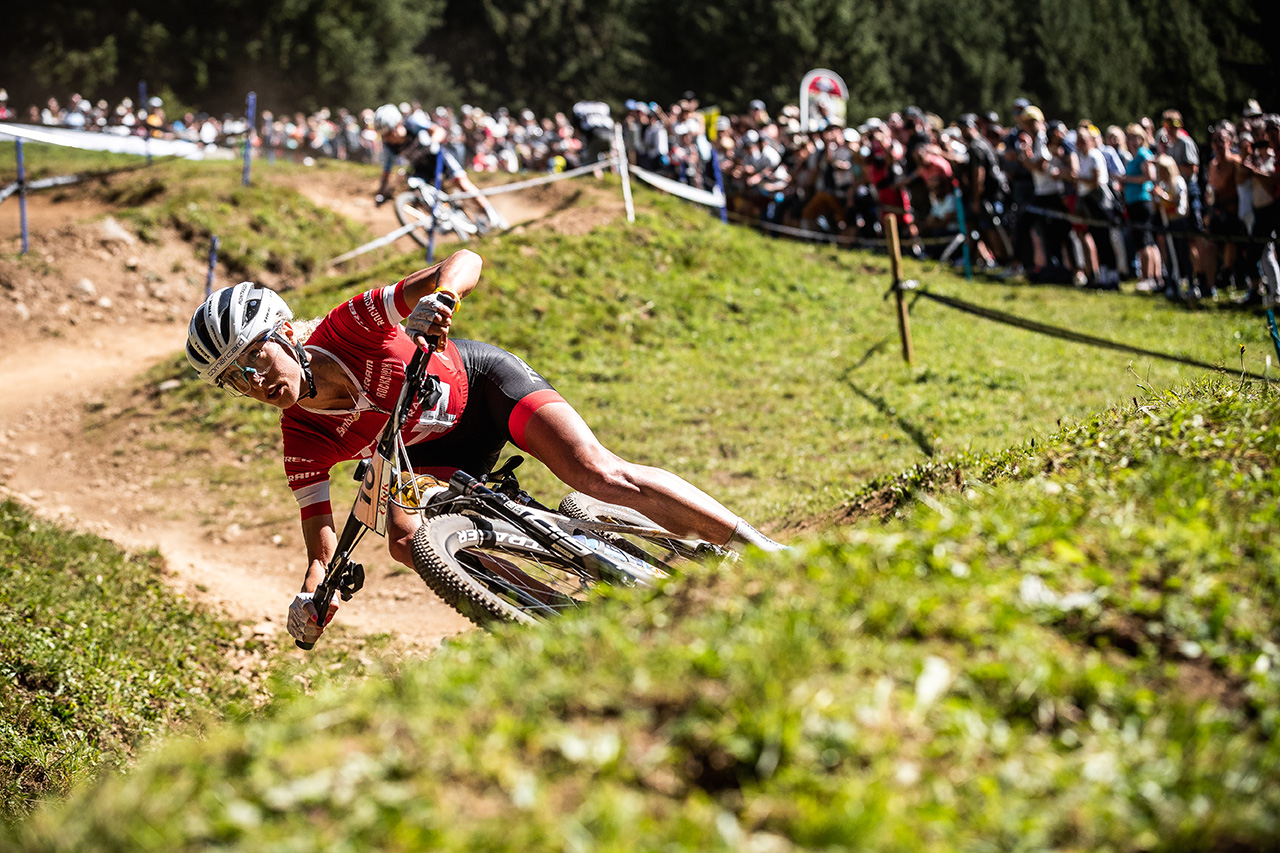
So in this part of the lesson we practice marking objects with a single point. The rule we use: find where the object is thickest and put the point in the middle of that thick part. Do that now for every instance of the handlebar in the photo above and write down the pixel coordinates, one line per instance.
(342, 575)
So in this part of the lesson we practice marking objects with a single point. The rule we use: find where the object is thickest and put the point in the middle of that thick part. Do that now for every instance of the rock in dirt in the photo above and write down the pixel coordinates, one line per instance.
(86, 289)
(111, 231)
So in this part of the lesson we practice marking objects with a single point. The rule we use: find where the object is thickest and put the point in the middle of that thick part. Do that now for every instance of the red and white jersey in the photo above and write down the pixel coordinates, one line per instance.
(364, 336)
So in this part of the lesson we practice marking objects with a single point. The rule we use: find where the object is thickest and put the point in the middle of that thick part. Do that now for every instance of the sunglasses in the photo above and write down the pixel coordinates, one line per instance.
(249, 368)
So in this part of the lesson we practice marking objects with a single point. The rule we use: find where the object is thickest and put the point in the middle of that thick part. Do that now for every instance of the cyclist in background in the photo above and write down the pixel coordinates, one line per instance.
(419, 140)
(336, 387)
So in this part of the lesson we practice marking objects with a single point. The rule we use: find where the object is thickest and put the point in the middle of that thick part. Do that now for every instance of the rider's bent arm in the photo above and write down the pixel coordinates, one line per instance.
(459, 273)
(321, 540)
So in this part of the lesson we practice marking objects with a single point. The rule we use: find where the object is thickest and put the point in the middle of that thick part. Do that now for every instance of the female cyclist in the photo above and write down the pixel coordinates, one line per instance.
(336, 388)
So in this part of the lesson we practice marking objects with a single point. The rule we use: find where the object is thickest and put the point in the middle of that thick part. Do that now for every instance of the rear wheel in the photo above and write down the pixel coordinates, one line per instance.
(636, 534)
(490, 571)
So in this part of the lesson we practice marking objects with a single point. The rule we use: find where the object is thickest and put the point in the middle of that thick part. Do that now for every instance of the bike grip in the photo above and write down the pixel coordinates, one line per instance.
(448, 299)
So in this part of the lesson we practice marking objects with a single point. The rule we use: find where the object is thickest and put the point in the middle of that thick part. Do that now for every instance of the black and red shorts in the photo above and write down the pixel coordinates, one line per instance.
(503, 393)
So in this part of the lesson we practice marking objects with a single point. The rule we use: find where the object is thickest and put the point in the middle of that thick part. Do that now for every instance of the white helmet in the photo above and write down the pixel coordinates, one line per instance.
(387, 117)
(229, 321)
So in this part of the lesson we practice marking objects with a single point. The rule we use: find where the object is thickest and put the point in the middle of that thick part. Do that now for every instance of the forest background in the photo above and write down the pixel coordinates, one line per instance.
(1110, 60)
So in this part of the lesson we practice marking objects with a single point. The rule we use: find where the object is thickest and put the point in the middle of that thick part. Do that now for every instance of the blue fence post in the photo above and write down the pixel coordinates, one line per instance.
(964, 230)
(435, 207)
(1275, 335)
(250, 109)
(715, 165)
(146, 110)
(22, 197)
(213, 267)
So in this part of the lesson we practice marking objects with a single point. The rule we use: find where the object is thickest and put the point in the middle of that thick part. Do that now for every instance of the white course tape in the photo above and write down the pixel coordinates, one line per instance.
(533, 182)
(92, 141)
(380, 242)
(711, 198)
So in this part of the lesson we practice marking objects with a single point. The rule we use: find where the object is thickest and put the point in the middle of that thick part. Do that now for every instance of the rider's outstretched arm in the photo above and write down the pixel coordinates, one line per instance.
(318, 533)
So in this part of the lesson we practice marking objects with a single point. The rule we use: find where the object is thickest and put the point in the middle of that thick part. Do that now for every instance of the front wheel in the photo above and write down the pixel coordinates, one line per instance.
(416, 206)
(490, 571)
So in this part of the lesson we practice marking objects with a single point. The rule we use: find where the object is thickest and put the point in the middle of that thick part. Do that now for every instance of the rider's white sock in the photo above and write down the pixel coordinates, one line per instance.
(744, 536)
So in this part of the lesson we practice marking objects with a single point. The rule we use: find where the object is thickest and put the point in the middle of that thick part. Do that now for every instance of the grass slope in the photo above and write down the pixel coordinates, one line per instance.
(1076, 654)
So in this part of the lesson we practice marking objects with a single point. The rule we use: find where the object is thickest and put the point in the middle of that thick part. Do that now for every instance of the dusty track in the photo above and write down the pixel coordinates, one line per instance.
(65, 359)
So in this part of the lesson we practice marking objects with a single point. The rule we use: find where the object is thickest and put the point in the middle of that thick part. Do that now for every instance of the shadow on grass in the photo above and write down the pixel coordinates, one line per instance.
(918, 435)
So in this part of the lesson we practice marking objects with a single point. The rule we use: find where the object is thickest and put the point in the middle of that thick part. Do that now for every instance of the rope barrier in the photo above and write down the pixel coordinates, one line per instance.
(841, 239)
(1074, 337)
(1161, 230)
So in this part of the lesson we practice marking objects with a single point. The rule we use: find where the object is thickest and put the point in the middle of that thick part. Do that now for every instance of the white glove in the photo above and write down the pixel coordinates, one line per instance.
(302, 618)
(428, 312)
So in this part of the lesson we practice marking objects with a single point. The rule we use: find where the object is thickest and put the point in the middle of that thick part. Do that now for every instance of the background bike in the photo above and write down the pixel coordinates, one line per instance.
(416, 205)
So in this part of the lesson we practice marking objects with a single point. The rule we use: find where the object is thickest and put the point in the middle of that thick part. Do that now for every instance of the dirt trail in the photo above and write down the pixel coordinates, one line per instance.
(65, 357)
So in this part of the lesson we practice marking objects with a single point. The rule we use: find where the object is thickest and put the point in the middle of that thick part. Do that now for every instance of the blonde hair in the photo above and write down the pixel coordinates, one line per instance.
(1139, 131)
(1167, 169)
(302, 329)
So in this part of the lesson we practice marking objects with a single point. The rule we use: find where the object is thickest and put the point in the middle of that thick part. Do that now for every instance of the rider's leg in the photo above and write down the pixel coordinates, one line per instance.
(559, 437)
(401, 526)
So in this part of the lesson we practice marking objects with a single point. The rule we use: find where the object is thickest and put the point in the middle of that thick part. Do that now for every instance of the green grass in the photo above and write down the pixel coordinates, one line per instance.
(47, 161)
(1035, 608)
(1076, 654)
(96, 656)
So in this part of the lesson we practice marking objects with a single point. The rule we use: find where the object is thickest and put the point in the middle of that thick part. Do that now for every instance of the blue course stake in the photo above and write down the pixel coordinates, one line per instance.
(435, 207)
(250, 108)
(213, 267)
(22, 198)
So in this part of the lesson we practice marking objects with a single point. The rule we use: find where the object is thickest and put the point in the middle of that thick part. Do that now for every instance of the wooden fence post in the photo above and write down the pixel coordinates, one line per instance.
(895, 265)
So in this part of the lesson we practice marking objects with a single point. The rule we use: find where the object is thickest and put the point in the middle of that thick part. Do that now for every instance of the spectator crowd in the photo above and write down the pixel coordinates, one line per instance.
(1073, 203)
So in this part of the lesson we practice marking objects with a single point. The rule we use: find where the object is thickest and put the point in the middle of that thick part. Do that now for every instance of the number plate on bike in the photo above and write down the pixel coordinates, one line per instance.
(375, 490)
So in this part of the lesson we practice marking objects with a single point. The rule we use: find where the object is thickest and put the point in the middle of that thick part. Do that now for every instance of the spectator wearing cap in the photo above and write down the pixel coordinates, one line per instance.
(633, 127)
(1021, 190)
(1042, 230)
(757, 114)
(655, 152)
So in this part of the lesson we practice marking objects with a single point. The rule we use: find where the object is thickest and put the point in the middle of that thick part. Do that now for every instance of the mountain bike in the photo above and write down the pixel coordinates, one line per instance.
(420, 203)
(488, 548)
